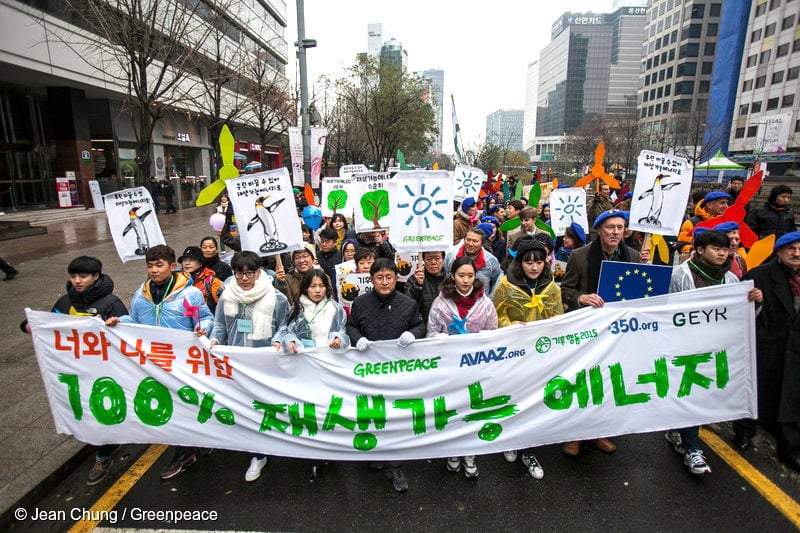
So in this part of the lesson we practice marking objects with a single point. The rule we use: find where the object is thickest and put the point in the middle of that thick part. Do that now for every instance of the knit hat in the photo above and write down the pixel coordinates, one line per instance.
(191, 252)
(486, 228)
(787, 238)
(578, 230)
(725, 227)
(611, 213)
(467, 204)
(716, 195)
(529, 244)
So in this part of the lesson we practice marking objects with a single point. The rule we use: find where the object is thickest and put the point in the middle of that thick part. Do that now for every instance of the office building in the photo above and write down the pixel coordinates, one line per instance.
(504, 128)
(393, 55)
(531, 98)
(64, 111)
(435, 79)
(376, 36)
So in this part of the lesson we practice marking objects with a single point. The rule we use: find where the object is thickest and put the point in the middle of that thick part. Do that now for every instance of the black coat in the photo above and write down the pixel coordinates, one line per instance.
(379, 319)
(221, 269)
(426, 293)
(767, 220)
(774, 323)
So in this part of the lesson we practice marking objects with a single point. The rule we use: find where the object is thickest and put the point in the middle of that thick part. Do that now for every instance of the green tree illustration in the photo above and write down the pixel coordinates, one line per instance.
(337, 200)
(374, 205)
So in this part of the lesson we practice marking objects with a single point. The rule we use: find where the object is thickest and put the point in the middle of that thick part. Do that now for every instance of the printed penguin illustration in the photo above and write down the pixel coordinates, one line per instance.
(264, 217)
(657, 192)
(137, 225)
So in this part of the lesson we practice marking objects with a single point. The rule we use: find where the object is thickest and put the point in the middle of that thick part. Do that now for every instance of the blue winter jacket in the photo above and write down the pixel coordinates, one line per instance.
(171, 312)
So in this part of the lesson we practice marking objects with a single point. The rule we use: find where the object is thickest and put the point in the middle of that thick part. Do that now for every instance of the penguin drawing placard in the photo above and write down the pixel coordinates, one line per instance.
(133, 222)
(662, 188)
(266, 213)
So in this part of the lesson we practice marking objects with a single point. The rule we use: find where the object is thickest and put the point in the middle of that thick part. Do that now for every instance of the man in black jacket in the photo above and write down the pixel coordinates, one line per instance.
(90, 293)
(385, 314)
(774, 217)
(424, 285)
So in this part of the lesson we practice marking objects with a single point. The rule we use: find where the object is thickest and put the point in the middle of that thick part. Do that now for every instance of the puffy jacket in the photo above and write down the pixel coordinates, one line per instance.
(767, 220)
(682, 279)
(426, 293)
(97, 300)
(685, 237)
(170, 313)
(299, 329)
(210, 285)
(516, 304)
(380, 318)
(481, 316)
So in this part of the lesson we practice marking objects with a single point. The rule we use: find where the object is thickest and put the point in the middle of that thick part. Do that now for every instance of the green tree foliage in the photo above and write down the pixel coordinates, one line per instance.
(375, 205)
(337, 200)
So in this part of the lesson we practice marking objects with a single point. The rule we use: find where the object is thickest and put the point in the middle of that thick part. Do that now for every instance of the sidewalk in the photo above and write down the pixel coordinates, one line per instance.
(32, 455)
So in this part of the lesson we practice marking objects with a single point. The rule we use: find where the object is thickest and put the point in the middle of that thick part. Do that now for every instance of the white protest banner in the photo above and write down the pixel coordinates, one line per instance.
(336, 197)
(662, 188)
(406, 263)
(265, 212)
(353, 285)
(468, 181)
(773, 133)
(318, 136)
(372, 201)
(421, 213)
(133, 222)
(568, 205)
(672, 361)
(296, 152)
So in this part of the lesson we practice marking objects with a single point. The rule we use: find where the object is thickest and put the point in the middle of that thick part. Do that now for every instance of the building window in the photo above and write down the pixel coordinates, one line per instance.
(652, 94)
(797, 126)
(660, 92)
(772, 103)
(698, 11)
(796, 45)
(715, 10)
(658, 109)
(755, 107)
(644, 113)
(777, 77)
(663, 57)
(710, 49)
(644, 96)
(788, 22)
(747, 85)
(661, 75)
(751, 131)
(647, 80)
(682, 106)
(765, 55)
(788, 100)
(774, 4)
(655, 61)
(668, 90)
(649, 63)
(769, 30)
(752, 60)
(793, 73)
(761, 9)
(650, 111)
(688, 50)
(755, 35)
(739, 133)
(761, 81)
(665, 109)
(744, 109)
(673, 37)
(684, 87)
(782, 50)
(693, 31)
(712, 29)
(705, 85)
(687, 69)
(671, 54)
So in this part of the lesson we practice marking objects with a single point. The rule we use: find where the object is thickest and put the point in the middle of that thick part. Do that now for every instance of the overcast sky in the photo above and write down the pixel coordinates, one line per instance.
(483, 47)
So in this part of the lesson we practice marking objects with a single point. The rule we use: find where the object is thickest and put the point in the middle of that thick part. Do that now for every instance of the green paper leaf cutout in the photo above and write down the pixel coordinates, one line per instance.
(512, 223)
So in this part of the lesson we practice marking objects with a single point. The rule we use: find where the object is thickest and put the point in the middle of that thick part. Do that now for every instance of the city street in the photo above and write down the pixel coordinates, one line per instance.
(644, 485)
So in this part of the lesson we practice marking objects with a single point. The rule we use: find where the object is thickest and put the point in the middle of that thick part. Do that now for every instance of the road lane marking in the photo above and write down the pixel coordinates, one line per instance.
(769, 490)
(119, 489)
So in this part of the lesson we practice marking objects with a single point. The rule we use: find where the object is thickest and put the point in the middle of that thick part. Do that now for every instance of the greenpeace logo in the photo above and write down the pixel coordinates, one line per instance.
(491, 355)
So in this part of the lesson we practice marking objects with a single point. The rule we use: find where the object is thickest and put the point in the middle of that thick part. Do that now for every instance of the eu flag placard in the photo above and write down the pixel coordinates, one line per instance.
(629, 281)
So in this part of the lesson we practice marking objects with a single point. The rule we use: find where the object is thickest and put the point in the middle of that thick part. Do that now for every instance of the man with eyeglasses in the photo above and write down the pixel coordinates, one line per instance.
(424, 285)
(289, 283)
(579, 286)
(385, 314)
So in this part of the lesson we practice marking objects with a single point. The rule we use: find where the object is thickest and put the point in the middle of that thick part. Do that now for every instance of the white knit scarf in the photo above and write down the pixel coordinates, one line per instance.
(322, 314)
(262, 296)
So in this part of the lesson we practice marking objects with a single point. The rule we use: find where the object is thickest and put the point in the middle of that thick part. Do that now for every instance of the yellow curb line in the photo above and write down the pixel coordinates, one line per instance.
(119, 489)
(769, 490)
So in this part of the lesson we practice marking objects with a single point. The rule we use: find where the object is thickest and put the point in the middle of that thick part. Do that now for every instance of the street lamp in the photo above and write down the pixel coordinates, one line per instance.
(301, 44)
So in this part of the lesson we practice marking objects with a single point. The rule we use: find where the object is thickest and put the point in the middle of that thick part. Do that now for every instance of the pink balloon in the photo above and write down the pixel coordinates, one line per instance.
(217, 221)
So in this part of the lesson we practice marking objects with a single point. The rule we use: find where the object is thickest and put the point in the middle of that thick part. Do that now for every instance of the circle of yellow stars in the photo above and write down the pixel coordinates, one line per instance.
(636, 272)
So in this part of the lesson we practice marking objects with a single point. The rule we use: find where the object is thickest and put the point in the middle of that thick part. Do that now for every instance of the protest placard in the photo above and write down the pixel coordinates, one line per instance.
(133, 222)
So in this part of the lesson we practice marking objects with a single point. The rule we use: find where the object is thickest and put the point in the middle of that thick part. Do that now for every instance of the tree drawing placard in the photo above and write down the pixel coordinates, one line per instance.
(468, 181)
(266, 217)
(371, 201)
(337, 197)
(568, 205)
(421, 215)
(662, 188)
(133, 222)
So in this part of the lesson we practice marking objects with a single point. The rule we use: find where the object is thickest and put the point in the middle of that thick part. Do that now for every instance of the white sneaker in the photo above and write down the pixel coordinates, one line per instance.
(695, 462)
(254, 471)
(534, 467)
(510, 456)
(470, 467)
(454, 464)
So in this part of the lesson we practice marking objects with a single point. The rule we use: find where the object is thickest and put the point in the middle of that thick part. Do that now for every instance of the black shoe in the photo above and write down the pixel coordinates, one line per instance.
(399, 479)
(99, 472)
(180, 462)
(11, 275)
(741, 442)
(313, 474)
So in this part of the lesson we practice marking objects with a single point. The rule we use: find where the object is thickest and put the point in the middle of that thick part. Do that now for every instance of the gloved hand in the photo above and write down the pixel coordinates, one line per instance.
(405, 339)
(362, 344)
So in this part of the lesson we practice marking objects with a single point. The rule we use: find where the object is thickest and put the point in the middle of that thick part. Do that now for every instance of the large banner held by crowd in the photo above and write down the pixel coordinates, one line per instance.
(659, 197)
(422, 213)
(133, 222)
(265, 212)
(673, 361)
